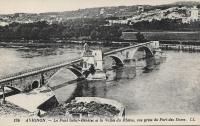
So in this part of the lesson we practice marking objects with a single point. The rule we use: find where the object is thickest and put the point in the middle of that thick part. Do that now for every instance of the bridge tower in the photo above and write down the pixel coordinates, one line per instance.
(92, 58)
(92, 62)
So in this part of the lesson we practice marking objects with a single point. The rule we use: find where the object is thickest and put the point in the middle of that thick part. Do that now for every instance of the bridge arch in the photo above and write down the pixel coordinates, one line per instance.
(77, 72)
(35, 84)
(117, 60)
(147, 50)
(64, 74)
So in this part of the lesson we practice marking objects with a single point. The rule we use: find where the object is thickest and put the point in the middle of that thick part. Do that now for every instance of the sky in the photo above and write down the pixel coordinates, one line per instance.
(39, 6)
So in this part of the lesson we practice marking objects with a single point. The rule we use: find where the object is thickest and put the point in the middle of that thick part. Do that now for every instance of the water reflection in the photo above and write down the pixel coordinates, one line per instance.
(91, 89)
(100, 88)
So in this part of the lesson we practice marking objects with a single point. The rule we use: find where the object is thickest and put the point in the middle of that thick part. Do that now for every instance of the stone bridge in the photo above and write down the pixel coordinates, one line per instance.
(124, 55)
(27, 80)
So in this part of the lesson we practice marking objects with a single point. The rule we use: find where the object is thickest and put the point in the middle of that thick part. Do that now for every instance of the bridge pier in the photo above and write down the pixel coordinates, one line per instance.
(3, 99)
(129, 68)
(42, 79)
(129, 62)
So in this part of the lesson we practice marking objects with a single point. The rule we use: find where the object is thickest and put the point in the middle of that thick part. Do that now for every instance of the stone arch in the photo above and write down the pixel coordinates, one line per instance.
(147, 50)
(117, 60)
(68, 71)
(35, 84)
(77, 72)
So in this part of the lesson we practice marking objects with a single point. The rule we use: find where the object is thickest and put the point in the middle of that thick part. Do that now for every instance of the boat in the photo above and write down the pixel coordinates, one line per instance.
(92, 107)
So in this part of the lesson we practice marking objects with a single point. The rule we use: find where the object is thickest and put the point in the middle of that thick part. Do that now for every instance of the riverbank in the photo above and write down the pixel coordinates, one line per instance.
(164, 35)
(179, 47)
(164, 44)
(62, 43)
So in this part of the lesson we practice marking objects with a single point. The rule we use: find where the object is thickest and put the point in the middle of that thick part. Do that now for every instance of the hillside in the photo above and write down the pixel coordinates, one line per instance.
(187, 3)
(100, 12)
(118, 11)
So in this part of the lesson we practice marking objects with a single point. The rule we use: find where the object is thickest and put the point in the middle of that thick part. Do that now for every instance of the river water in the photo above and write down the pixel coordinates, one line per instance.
(173, 87)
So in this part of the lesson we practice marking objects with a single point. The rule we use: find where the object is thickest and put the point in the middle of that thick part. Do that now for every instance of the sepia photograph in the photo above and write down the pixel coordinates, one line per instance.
(99, 62)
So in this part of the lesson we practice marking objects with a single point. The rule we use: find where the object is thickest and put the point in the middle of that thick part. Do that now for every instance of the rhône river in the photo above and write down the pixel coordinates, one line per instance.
(173, 87)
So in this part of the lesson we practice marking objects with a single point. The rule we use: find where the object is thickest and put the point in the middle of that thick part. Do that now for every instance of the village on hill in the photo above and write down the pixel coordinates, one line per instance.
(114, 15)
(186, 15)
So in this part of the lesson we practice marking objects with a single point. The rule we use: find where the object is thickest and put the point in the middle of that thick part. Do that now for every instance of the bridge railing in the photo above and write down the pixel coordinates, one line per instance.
(38, 68)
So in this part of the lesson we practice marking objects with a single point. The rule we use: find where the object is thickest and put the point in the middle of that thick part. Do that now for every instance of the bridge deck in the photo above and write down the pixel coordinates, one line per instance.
(122, 49)
(37, 70)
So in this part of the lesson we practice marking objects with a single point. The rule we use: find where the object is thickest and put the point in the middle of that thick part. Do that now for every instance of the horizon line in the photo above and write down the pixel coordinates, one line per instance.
(79, 9)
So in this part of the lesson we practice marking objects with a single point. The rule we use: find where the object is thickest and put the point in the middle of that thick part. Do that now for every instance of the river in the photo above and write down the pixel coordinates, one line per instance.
(173, 87)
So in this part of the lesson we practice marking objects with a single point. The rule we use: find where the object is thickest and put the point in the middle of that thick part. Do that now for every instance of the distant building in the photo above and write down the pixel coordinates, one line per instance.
(3, 23)
(20, 15)
(186, 20)
(140, 9)
(162, 14)
(194, 14)
(111, 22)
(174, 15)
(129, 13)
(102, 11)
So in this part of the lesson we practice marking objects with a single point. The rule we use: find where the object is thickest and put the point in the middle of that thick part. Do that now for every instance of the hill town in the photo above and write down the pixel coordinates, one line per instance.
(116, 15)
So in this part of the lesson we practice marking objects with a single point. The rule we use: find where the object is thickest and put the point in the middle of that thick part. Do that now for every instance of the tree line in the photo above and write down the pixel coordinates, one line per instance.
(166, 25)
(89, 29)
(93, 29)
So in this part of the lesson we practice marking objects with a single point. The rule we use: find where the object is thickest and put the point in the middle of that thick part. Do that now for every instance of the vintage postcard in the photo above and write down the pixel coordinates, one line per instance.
(99, 62)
